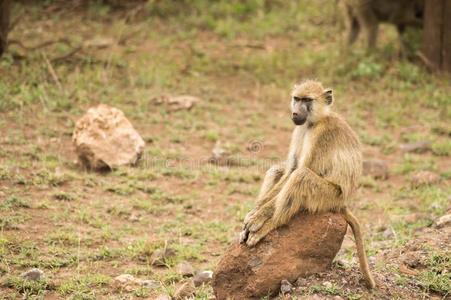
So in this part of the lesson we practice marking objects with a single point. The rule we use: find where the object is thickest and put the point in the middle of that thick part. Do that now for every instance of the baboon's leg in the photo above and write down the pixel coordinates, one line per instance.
(369, 22)
(304, 189)
(402, 46)
(353, 31)
(272, 177)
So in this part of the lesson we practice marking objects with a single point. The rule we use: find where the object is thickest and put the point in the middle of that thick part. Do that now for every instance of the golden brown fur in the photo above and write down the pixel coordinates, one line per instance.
(320, 174)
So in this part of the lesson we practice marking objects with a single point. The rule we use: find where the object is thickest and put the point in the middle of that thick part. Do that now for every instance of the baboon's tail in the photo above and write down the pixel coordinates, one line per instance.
(354, 223)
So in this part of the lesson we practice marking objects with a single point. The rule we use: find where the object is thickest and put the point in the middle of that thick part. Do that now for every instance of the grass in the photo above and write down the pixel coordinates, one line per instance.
(241, 59)
(437, 277)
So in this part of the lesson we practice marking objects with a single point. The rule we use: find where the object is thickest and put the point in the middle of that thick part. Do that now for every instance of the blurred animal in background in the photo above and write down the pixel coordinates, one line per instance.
(320, 174)
(366, 15)
(4, 23)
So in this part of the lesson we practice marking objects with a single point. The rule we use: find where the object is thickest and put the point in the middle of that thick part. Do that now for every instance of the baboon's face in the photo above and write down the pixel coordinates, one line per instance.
(300, 109)
(309, 101)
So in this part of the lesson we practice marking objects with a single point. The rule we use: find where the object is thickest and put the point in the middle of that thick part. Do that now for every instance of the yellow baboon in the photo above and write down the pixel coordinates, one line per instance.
(320, 174)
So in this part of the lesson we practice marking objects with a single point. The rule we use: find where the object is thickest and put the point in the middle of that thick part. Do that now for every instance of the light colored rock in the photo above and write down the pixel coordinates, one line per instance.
(424, 178)
(376, 168)
(416, 147)
(443, 221)
(125, 278)
(163, 297)
(187, 289)
(185, 269)
(307, 245)
(104, 139)
(177, 102)
(202, 277)
(33, 274)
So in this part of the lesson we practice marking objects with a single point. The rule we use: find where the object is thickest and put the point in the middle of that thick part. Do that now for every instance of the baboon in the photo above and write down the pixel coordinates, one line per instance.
(320, 173)
(367, 14)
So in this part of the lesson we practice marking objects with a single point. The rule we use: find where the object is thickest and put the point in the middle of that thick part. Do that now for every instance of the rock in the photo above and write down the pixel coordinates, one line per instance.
(424, 178)
(177, 102)
(220, 156)
(105, 139)
(163, 297)
(185, 269)
(150, 284)
(33, 274)
(388, 233)
(134, 218)
(202, 277)
(376, 168)
(125, 278)
(416, 147)
(285, 287)
(443, 221)
(160, 256)
(185, 290)
(307, 245)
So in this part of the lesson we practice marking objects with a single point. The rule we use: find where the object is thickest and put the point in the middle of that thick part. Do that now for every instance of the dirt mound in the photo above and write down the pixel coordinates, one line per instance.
(306, 246)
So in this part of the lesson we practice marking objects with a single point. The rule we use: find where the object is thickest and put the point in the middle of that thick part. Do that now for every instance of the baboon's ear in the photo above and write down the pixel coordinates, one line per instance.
(329, 96)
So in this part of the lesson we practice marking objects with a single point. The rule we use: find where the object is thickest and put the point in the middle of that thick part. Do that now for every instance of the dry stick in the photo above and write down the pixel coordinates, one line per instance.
(42, 45)
(53, 73)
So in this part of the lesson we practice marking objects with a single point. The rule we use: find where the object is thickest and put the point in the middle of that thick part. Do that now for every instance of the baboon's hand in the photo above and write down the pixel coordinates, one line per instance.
(254, 237)
(248, 217)
(255, 222)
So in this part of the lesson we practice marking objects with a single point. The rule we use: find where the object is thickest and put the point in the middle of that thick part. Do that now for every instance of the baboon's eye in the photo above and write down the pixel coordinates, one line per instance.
(297, 99)
(307, 99)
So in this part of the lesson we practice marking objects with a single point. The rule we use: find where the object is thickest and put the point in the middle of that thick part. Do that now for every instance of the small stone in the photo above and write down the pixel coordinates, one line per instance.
(327, 284)
(376, 168)
(388, 233)
(134, 218)
(150, 284)
(302, 282)
(185, 290)
(159, 256)
(202, 277)
(424, 178)
(416, 147)
(220, 156)
(185, 269)
(285, 287)
(184, 102)
(163, 297)
(443, 221)
(33, 274)
(125, 278)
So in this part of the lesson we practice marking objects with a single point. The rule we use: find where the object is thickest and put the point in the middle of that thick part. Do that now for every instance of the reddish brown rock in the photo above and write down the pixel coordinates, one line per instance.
(307, 245)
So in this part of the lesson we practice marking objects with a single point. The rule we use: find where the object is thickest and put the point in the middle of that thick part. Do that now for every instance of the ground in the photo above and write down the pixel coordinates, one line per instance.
(241, 59)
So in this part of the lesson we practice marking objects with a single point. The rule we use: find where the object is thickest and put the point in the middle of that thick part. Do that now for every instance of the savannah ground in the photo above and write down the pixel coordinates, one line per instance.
(241, 58)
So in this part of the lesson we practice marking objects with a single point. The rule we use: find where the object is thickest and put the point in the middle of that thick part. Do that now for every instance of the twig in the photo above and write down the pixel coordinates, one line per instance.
(42, 45)
(52, 72)
(67, 55)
